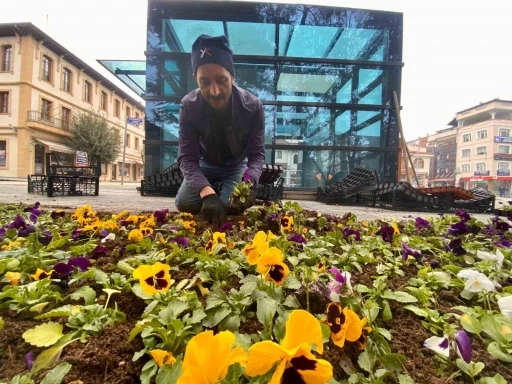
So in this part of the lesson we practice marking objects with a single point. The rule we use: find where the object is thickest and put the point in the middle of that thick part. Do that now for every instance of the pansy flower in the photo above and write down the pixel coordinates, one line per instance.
(341, 279)
(146, 231)
(387, 233)
(12, 245)
(475, 281)
(162, 357)
(148, 223)
(135, 235)
(497, 258)
(161, 216)
(503, 242)
(344, 324)
(13, 277)
(77, 232)
(272, 218)
(352, 233)
(422, 224)
(293, 357)
(57, 213)
(441, 345)
(458, 229)
(153, 278)
(210, 246)
(186, 215)
(455, 246)
(99, 251)
(188, 225)
(29, 359)
(110, 225)
(2, 233)
(246, 177)
(271, 266)
(505, 304)
(132, 219)
(408, 251)
(41, 274)
(361, 342)
(259, 244)
(183, 241)
(287, 223)
(464, 216)
(65, 269)
(18, 223)
(502, 226)
(208, 358)
(297, 239)
(226, 227)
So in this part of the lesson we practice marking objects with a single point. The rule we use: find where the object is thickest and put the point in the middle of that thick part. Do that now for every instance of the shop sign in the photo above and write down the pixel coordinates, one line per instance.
(482, 173)
(503, 172)
(81, 159)
(500, 139)
(503, 156)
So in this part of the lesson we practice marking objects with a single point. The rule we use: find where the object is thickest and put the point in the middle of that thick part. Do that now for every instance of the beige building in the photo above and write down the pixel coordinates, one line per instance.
(41, 84)
(484, 146)
(421, 160)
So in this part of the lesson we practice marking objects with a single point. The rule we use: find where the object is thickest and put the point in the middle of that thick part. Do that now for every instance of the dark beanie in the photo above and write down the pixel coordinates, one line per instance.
(212, 50)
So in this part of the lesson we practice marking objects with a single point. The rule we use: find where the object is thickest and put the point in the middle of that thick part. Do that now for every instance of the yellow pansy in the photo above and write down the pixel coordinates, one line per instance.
(149, 222)
(14, 277)
(120, 215)
(344, 324)
(11, 245)
(135, 235)
(271, 266)
(208, 358)
(219, 237)
(293, 356)
(162, 357)
(153, 278)
(287, 223)
(188, 225)
(40, 274)
(111, 225)
(259, 245)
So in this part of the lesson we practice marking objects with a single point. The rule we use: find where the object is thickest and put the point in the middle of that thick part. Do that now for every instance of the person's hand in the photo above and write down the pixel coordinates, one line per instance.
(213, 210)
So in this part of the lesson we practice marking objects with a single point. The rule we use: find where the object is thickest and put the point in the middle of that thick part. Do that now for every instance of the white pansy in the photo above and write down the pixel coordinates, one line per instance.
(497, 258)
(438, 344)
(505, 304)
(380, 269)
(110, 236)
(475, 281)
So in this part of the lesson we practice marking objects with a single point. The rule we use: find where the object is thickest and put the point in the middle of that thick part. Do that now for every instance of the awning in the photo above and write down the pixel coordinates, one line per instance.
(476, 178)
(55, 147)
(139, 162)
(444, 177)
(507, 178)
(126, 160)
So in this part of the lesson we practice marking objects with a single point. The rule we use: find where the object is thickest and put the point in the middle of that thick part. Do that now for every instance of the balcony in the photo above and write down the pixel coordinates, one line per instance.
(45, 119)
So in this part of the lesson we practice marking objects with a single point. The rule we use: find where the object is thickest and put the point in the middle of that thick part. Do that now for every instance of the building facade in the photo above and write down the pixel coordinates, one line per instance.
(41, 85)
(484, 141)
(421, 159)
(443, 165)
(325, 75)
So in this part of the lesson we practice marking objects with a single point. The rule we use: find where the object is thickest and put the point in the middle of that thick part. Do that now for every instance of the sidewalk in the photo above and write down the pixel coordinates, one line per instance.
(115, 197)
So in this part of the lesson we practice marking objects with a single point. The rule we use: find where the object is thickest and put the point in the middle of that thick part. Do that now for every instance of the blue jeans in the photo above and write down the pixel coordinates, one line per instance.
(189, 201)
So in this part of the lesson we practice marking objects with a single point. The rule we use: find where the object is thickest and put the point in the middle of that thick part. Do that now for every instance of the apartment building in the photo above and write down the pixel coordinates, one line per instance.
(421, 159)
(484, 141)
(443, 147)
(41, 85)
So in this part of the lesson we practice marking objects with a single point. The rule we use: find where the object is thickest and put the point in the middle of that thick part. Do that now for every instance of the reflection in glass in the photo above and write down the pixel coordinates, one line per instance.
(162, 121)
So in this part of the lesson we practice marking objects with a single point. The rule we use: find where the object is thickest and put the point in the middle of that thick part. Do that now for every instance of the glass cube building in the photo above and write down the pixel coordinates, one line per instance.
(325, 75)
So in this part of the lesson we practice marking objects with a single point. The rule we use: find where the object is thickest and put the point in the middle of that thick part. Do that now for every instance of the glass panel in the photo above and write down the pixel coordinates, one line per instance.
(243, 42)
(158, 157)
(187, 31)
(305, 40)
(360, 44)
(162, 120)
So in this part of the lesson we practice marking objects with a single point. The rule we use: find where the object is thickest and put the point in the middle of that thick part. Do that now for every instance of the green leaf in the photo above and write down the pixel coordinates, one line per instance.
(44, 335)
(2, 323)
(471, 324)
(87, 293)
(386, 311)
(242, 199)
(47, 358)
(418, 311)
(230, 323)
(405, 379)
(39, 307)
(125, 268)
(266, 311)
(215, 316)
(169, 374)
(216, 299)
(366, 360)
(492, 327)
(248, 288)
(172, 311)
(292, 283)
(56, 375)
(197, 316)
(64, 311)
(401, 297)
(452, 268)
(148, 371)
(495, 350)
(394, 362)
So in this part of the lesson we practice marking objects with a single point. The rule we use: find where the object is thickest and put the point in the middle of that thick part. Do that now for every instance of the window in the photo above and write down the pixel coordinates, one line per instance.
(279, 154)
(465, 168)
(503, 148)
(103, 169)
(47, 68)
(3, 153)
(480, 166)
(66, 117)
(481, 150)
(295, 159)
(137, 143)
(66, 80)
(87, 91)
(504, 132)
(4, 102)
(103, 101)
(128, 140)
(481, 134)
(46, 109)
(6, 58)
(466, 152)
(117, 108)
(137, 115)
(419, 163)
(503, 166)
(128, 112)
(466, 137)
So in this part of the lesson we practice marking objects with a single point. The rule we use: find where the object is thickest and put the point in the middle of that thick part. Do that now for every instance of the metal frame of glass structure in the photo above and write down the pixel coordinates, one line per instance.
(326, 76)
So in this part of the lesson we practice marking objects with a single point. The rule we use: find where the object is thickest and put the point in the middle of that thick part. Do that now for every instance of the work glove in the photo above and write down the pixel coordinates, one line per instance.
(213, 210)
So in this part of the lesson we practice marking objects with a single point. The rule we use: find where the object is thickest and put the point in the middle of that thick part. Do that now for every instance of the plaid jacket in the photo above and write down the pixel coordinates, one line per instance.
(246, 136)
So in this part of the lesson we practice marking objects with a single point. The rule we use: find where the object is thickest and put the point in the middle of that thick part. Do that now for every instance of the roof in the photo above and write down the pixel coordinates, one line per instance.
(487, 102)
(26, 29)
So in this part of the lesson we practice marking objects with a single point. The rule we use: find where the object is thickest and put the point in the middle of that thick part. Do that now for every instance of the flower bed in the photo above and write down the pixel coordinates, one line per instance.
(278, 293)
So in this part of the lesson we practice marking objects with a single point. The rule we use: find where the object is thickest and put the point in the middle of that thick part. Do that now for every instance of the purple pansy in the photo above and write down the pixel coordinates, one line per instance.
(29, 359)
(65, 269)
(121, 251)
(434, 263)
(161, 216)
(408, 251)
(124, 223)
(104, 233)
(350, 232)
(504, 242)
(226, 227)
(17, 223)
(45, 238)
(180, 240)
(422, 224)
(77, 232)
(298, 239)
(456, 247)
(263, 213)
(267, 203)
(502, 226)
(464, 346)
(387, 233)
(340, 280)
(272, 218)
(25, 232)
(2, 233)
(458, 229)
(99, 251)
(464, 216)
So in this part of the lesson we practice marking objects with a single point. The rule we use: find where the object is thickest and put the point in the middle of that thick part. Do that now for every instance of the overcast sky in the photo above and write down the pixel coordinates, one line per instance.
(457, 53)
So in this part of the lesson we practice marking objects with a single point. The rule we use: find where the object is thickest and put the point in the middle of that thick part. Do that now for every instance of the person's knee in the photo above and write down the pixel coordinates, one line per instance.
(188, 207)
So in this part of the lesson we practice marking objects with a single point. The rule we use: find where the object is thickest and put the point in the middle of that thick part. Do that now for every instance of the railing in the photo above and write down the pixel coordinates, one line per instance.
(45, 119)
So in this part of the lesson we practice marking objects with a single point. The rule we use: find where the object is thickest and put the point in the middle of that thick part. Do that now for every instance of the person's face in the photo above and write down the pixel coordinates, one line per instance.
(215, 83)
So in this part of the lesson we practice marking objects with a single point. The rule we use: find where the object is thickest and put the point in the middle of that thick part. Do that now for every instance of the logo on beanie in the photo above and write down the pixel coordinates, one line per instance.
(203, 51)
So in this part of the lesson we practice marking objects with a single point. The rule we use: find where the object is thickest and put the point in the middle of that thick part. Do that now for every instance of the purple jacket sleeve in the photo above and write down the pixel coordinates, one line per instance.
(256, 146)
(189, 152)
